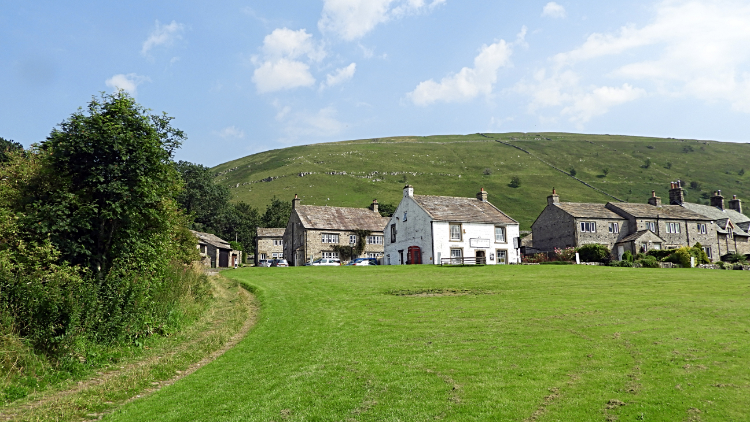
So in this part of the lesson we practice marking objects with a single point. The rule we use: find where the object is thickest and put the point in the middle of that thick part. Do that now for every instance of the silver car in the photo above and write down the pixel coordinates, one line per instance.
(326, 261)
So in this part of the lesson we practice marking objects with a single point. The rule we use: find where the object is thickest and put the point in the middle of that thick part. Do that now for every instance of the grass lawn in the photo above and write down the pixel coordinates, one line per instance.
(487, 343)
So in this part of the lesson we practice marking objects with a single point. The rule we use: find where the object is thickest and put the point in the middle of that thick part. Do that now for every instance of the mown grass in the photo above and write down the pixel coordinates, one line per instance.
(438, 161)
(487, 343)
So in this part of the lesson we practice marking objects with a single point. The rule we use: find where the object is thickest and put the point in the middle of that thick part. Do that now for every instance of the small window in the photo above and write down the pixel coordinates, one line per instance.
(352, 239)
(730, 235)
(499, 234)
(502, 257)
(614, 227)
(588, 226)
(456, 256)
(707, 250)
(656, 246)
(374, 240)
(393, 233)
(331, 255)
(329, 238)
(278, 242)
(673, 227)
(262, 256)
(455, 232)
(650, 225)
(702, 228)
(404, 215)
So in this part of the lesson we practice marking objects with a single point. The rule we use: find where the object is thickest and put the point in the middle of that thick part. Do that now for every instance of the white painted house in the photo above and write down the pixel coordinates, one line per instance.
(428, 229)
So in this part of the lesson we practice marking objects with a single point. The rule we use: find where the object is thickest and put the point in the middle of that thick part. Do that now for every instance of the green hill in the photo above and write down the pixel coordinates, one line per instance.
(353, 173)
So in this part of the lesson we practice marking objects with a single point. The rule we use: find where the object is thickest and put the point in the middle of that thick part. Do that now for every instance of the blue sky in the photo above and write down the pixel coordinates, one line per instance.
(242, 77)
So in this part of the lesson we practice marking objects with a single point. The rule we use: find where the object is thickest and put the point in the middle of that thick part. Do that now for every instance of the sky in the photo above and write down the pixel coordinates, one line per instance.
(241, 77)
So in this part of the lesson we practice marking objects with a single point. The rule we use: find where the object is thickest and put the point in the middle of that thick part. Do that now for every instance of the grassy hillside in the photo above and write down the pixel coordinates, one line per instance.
(352, 173)
(494, 343)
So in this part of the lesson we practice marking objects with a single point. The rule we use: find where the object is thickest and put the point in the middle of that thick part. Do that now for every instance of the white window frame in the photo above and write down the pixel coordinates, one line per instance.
(374, 254)
(262, 256)
(329, 238)
(375, 240)
(459, 232)
(352, 239)
(651, 225)
(707, 250)
(331, 255)
(503, 237)
(504, 253)
(588, 226)
(278, 242)
(457, 254)
(673, 228)
(702, 228)
(614, 228)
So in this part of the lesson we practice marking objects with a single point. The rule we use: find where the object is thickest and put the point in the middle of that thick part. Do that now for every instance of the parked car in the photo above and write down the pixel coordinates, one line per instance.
(326, 261)
(264, 262)
(364, 261)
(279, 263)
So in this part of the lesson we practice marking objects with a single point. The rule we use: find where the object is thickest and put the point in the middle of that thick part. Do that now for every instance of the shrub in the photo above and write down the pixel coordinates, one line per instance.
(515, 182)
(660, 254)
(556, 263)
(567, 254)
(648, 262)
(594, 253)
(680, 256)
(734, 258)
(572, 172)
(623, 263)
(627, 256)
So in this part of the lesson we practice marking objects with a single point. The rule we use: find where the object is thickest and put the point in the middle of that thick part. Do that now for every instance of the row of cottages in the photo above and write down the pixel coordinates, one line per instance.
(428, 229)
(642, 227)
(318, 231)
(216, 252)
(269, 243)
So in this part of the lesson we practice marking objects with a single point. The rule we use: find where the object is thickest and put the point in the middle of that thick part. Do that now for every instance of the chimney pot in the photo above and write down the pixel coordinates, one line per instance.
(676, 194)
(554, 198)
(374, 205)
(717, 200)
(295, 202)
(482, 195)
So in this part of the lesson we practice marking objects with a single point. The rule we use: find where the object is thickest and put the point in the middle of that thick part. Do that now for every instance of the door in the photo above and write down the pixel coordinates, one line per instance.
(481, 259)
(401, 257)
(620, 252)
(502, 256)
(223, 258)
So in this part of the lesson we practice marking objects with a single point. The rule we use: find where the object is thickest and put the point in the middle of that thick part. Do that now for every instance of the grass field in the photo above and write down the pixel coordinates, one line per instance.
(488, 343)
(343, 173)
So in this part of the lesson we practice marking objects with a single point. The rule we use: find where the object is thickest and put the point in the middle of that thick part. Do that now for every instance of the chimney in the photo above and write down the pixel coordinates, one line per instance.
(676, 194)
(554, 198)
(295, 202)
(374, 205)
(482, 195)
(717, 200)
(654, 200)
(408, 191)
(735, 204)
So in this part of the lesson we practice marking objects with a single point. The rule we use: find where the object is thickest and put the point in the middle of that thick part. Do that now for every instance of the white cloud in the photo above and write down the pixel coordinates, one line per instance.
(128, 83)
(553, 10)
(304, 125)
(282, 66)
(352, 19)
(469, 82)
(282, 74)
(599, 100)
(164, 35)
(231, 132)
(340, 76)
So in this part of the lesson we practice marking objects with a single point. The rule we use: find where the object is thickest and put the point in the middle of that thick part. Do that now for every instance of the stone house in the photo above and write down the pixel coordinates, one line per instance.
(428, 229)
(318, 231)
(731, 224)
(621, 226)
(216, 252)
(269, 243)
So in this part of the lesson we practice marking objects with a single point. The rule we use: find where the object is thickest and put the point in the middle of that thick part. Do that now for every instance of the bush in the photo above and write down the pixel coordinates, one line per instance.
(594, 253)
(660, 254)
(515, 182)
(622, 263)
(734, 258)
(567, 254)
(648, 262)
(680, 256)
(556, 263)
(627, 256)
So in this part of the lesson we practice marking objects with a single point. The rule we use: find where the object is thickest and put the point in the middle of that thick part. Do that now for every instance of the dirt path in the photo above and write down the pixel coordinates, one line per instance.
(231, 302)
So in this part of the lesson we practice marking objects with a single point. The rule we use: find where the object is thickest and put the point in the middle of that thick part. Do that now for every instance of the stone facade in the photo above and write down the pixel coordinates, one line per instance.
(216, 252)
(269, 243)
(313, 231)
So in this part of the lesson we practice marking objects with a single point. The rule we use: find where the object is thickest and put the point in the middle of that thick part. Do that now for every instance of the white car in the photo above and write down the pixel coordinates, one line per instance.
(326, 261)
(264, 262)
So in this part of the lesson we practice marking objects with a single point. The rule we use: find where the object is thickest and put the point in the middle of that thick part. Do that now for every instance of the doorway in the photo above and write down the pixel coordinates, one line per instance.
(481, 258)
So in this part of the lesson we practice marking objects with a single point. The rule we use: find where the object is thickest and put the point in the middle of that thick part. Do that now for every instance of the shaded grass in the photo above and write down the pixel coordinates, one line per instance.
(549, 343)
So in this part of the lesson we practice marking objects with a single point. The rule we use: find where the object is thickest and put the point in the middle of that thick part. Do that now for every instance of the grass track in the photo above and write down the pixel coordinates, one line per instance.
(526, 343)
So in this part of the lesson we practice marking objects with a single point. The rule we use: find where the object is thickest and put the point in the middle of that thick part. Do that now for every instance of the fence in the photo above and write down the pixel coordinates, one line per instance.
(463, 261)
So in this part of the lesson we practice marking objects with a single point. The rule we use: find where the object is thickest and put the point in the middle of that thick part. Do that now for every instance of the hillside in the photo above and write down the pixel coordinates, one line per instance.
(352, 173)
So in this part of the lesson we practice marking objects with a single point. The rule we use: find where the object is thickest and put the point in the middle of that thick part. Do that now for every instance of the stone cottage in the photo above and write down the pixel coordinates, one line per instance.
(621, 226)
(269, 243)
(321, 231)
(216, 252)
(428, 229)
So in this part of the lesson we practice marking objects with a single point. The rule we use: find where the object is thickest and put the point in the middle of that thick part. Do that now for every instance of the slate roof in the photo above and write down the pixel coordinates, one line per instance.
(637, 235)
(715, 213)
(270, 232)
(675, 212)
(340, 218)
(211, 239)
(584, 210)
(464, 210)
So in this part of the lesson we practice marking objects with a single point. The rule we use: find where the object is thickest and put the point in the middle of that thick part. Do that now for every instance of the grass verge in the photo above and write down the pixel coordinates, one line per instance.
(417, 343)
(162, 361)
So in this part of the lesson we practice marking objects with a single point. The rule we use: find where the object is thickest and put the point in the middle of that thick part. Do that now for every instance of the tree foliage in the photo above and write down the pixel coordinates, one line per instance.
(202, 198)
(8, 146)
(277, 213)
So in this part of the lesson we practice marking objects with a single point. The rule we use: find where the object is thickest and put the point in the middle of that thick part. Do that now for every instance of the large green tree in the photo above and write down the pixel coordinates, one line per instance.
(113, 183)
(7, 146)
(203, 199)
(277, 213)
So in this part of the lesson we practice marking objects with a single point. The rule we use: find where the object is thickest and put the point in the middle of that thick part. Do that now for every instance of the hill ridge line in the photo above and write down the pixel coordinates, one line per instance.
(558, 169)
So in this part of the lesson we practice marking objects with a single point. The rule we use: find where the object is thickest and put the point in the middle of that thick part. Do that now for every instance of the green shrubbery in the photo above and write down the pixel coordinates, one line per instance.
(594, 253)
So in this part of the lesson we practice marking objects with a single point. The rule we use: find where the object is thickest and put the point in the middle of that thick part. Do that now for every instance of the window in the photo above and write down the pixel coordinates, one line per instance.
(352, 239)
(262, 256)
(393, 233)
(278, 242)
(673, 227)
(650, 225)
(502, 257)
(330, 238)
(374, 240)
(277, 255)
(702, 228)
(707, 250)
(404, 215)
(656, 246)
(588, 226)
(644, 247)
(456, 255)
(334, 255)
(374, 254)
(614, 227)
(730, 235)
(455, 232)
(499, 234)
